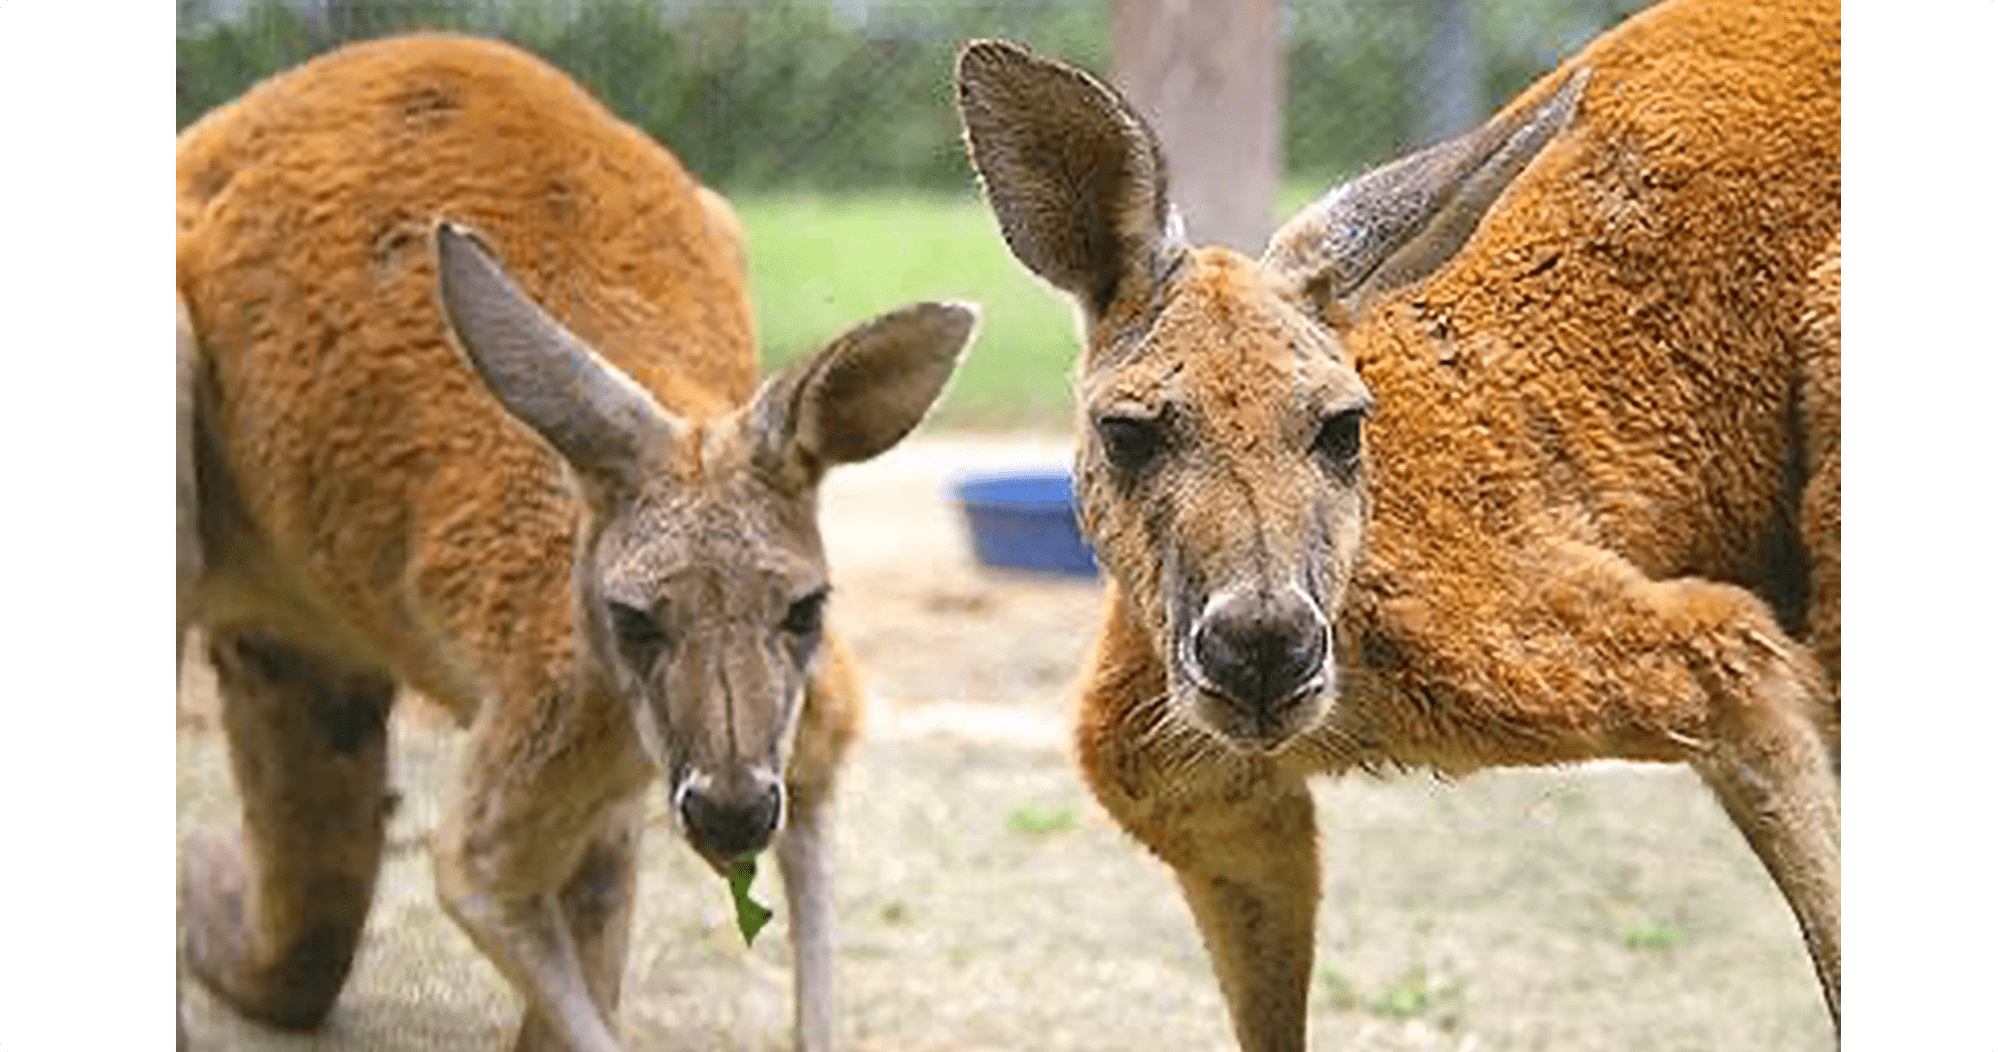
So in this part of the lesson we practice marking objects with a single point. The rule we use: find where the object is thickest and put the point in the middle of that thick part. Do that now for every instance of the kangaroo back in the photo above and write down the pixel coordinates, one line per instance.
(348, 438)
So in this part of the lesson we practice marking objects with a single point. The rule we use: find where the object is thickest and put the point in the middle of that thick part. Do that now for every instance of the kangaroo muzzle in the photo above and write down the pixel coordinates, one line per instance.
(1262, 657)
(726, 818)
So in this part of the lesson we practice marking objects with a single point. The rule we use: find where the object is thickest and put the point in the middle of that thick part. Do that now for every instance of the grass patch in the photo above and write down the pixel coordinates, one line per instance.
(1412, 995)
(1409, 997)
(1042, 819)
(821, 264)
(1343, 993)
(1653, 936)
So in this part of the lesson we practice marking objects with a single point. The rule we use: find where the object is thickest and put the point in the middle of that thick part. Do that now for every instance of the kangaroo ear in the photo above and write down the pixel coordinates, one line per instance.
(595, 416)
(1074, 175)
(863, 393)
(1398, 224)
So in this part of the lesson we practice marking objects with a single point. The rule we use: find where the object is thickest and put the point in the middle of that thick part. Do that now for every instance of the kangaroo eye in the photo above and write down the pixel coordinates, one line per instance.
(1130, 442)
(807, 615)
(1338, 440)
(637, 632)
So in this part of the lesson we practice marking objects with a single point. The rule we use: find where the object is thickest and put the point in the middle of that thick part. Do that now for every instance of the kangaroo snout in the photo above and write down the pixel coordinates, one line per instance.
(1260, 650)
(727, 818)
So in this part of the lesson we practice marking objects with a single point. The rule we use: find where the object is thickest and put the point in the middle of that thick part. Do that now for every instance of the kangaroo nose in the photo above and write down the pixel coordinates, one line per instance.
(1260, 650)
(725, 825)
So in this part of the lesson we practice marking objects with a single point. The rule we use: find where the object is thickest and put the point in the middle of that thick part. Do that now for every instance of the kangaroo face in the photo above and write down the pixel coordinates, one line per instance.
(1220, 474)
(1221, 465)
(706, 599)
(700, 581)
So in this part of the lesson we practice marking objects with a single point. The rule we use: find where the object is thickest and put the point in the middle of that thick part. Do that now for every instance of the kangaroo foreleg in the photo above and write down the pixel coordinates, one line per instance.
(535, 860)
(804, 856)
(597, 906)
(187, 493)
(1250, 877)
(529, 939)
(1241, 838)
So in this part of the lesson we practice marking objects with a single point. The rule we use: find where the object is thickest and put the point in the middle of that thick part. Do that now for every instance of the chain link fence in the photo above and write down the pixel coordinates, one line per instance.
(851, 95)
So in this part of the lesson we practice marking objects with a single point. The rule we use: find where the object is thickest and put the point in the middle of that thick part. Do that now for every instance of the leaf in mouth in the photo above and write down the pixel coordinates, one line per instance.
(750, 915)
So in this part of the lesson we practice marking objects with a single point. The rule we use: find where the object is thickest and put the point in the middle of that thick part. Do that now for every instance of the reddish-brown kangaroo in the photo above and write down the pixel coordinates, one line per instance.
(1520, 450)
(549, 494)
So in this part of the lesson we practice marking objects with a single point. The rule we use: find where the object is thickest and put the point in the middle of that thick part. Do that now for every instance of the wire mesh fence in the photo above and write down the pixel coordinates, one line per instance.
(850, 95)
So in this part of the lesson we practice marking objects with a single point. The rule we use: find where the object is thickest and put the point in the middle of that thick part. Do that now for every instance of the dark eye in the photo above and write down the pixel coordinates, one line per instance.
(1130, 442)
(1338, 440)
(637, 632)
(805, 616)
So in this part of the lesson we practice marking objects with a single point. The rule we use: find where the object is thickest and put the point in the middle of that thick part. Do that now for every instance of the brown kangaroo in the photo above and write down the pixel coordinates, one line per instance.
(551, 496)
(1514, 451)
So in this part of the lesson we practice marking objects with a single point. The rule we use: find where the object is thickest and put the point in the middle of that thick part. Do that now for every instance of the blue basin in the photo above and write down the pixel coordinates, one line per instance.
(1025, 521)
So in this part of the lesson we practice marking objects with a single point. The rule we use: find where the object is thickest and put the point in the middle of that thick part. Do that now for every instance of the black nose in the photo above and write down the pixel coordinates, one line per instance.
(1260, 650)
(726, 825)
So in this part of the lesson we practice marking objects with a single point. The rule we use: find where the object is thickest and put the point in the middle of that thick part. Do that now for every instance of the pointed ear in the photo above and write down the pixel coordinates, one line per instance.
(1399, 223)
(595, 416)
(1074, 176)
(863, 393)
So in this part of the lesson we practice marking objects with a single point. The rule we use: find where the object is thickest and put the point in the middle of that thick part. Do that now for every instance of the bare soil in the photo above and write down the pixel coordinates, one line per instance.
(986, 903)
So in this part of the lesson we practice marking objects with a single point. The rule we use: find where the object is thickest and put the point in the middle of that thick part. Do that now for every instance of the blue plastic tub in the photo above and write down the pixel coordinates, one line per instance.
(1025, 521)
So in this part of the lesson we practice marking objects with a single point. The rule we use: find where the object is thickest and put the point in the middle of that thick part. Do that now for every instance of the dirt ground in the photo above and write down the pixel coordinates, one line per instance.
(985, 903)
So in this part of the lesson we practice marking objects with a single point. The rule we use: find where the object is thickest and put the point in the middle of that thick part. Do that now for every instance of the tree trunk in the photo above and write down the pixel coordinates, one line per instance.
(337, 22)
(1451, 97)
(1208, 76)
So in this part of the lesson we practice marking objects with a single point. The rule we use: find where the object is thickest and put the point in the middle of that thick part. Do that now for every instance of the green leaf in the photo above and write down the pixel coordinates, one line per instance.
(750, 915)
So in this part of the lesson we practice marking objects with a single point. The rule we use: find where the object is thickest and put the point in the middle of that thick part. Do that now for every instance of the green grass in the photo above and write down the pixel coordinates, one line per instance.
(1042, 819)
(1653, 936)
(1412, 995)
(819, 265)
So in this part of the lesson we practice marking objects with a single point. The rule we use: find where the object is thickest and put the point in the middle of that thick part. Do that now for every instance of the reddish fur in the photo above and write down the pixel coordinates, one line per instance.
(367, 503)
(330, 444)
(1676, 266)
(1602, 470)
(1470, 369)
(1820, 519)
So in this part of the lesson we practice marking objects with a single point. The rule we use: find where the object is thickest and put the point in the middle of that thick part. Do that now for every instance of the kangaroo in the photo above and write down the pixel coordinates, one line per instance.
(469, 404)
(1515, 451)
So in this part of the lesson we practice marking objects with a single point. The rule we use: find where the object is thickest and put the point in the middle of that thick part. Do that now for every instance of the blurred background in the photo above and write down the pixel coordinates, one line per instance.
(830, 124)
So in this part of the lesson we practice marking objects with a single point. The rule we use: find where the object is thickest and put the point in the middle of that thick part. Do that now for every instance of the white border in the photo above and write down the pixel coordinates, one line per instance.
(1921, 860)
(86, 739)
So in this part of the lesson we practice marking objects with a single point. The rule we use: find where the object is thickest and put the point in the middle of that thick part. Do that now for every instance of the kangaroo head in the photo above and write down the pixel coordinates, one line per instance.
(1221, 469)
(700, 581)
